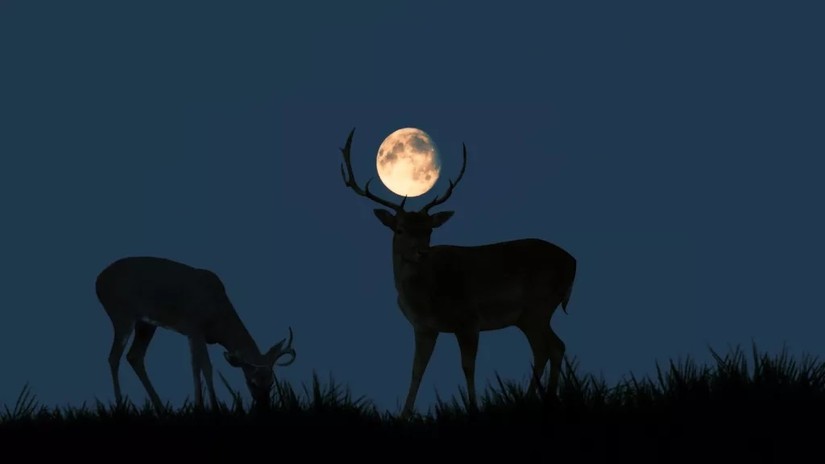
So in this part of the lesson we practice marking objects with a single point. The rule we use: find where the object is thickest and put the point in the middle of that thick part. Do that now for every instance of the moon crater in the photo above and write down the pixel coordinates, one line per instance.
(408, 162)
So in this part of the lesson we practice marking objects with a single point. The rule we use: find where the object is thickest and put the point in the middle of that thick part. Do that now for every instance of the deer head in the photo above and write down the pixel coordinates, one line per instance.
(411, 229)
(259, 370)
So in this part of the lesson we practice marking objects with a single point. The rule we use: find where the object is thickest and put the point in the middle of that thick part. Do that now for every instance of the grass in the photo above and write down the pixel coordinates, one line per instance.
(768, 407)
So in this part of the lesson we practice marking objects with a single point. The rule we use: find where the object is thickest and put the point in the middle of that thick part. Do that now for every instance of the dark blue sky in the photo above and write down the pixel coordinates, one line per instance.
(675, 150)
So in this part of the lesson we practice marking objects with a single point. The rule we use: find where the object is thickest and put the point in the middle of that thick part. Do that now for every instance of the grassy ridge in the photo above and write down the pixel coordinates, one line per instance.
(763, 407)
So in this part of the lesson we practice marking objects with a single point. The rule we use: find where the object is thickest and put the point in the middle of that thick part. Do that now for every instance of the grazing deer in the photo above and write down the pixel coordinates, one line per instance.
(142, 293)
(464, 290)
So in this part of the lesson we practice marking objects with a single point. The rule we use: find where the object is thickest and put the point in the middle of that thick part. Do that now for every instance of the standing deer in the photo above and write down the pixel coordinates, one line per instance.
(142, 293)
(464, 290)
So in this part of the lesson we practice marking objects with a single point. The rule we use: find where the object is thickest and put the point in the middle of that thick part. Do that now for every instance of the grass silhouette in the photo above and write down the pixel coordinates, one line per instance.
(762, 409)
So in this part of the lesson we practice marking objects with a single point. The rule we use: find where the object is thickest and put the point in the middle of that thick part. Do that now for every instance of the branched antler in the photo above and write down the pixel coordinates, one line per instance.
(439, 200)
(351, 183)
(286, 350)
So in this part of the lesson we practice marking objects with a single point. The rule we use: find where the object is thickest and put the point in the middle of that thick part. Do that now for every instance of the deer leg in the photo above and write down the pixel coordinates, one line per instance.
(200, 356)
(136, 355)
(122, 330)
(468, 345)
(195, 346)
(424, 345)
(206, 368)
(556, 351)
(537, 338)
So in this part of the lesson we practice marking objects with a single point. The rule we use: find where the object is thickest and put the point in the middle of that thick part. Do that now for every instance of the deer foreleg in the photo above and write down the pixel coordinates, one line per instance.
(207, 375)
(200, 357)
(195, 346)
(424, 345)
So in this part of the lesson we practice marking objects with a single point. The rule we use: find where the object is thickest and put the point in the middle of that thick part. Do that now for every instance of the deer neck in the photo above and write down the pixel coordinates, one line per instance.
(231, 333)
(410, 276)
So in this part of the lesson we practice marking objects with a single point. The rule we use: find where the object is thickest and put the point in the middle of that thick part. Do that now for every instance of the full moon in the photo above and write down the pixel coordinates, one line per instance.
(408, 163)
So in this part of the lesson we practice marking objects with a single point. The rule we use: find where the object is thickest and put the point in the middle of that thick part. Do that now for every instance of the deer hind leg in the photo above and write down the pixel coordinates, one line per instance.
(136, 355)
(122, 331)
(556, 350)
(468, 345)
(538, 340)
(424, 346)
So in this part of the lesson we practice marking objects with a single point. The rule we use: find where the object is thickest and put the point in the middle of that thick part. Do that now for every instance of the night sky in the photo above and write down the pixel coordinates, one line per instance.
(676, 150)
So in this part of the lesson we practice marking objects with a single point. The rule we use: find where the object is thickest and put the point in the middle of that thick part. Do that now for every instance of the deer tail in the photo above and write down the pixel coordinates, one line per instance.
(569, 290)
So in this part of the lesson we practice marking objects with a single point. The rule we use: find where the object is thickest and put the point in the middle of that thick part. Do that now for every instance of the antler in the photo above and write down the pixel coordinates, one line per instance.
(351, 183)
(287, 350)
(439, 200)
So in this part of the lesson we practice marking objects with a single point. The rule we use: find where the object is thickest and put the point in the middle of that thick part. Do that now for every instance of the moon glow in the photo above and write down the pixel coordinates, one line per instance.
(408, 162)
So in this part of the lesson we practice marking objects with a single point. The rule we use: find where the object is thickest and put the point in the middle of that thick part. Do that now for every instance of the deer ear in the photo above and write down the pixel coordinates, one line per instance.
(233, 359)
(438, 219)
(386, 217)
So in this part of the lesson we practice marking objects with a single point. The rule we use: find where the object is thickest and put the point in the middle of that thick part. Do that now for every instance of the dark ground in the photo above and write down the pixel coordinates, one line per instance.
(770, 411)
